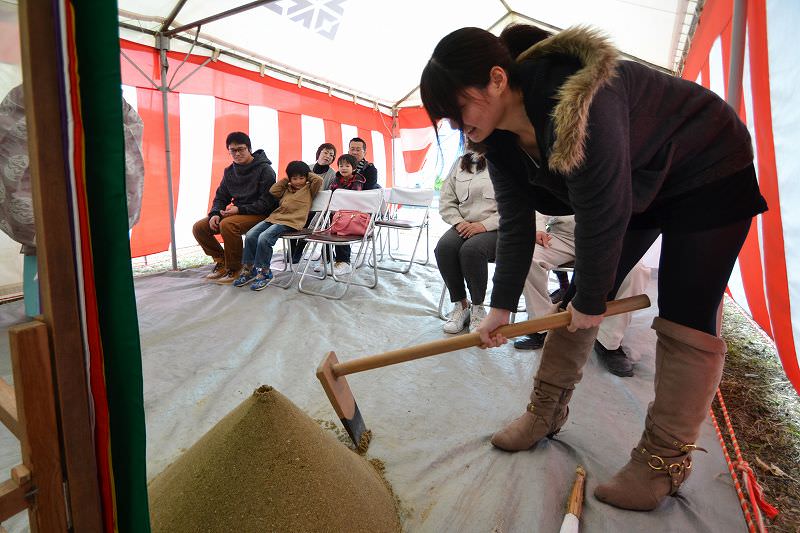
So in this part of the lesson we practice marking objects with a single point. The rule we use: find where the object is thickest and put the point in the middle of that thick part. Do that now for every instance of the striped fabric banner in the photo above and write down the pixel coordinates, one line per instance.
(96, 154)
(416, 137)
(287, 121)
(767, 276)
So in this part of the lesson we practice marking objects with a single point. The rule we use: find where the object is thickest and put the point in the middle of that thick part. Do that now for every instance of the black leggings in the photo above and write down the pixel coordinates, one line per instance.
(692, 273)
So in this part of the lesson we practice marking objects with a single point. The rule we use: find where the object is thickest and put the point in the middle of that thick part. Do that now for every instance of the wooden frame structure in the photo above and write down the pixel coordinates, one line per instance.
(48, 408)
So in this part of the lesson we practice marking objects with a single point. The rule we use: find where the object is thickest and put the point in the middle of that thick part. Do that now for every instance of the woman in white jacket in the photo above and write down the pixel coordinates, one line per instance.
(465, 250)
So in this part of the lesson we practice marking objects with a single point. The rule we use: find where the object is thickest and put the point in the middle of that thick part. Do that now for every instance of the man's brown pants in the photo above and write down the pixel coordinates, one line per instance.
(231, 228)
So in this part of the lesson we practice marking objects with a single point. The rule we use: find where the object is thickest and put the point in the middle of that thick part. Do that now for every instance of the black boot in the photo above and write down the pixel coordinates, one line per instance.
(533, 341)
(616, 361)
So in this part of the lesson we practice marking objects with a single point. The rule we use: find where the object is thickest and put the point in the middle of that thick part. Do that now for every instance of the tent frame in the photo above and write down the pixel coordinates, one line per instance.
(162, 43)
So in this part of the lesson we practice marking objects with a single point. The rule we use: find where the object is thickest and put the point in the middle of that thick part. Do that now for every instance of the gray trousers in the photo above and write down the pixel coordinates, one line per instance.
(467, 260)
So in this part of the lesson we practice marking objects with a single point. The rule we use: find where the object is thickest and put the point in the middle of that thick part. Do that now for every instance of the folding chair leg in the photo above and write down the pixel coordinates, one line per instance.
(366, 247)
(440, 309)
(411, 261)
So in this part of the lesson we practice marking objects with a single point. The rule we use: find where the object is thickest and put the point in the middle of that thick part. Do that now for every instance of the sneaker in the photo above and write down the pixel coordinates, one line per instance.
(247, 275)
(616, 361)
(457, 320)
(340, 268)
(533, 341)
(319, 266)
(477, 314)
(261, 280)
(229, 277)
(217, 272)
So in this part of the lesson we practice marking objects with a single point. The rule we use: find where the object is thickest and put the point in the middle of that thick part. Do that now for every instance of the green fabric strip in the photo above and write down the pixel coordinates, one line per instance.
(97, 42)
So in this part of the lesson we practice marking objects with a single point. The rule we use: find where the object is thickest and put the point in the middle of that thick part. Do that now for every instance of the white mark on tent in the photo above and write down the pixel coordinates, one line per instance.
(321, 16)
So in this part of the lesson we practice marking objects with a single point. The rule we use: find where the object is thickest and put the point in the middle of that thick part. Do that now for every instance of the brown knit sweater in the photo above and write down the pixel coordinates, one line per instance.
(294, 205)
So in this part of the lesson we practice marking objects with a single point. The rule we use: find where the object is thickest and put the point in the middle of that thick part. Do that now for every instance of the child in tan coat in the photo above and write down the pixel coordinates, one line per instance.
(295, 193)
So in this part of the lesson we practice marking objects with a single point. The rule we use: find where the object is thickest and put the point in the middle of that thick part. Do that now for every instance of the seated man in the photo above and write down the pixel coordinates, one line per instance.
(556, 246)
(242, 200)
(358, 149)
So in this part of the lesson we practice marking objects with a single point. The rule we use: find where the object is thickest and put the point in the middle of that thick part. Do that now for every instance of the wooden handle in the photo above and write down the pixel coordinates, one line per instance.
(557, 320)
(575, 503)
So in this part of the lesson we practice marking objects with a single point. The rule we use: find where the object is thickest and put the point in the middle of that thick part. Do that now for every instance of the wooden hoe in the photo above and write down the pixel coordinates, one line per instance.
(331, 373)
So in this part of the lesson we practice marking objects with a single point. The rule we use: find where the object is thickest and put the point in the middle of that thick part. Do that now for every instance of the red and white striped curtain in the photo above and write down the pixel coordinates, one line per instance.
(287, 121)
(416, 137)
(767, 278)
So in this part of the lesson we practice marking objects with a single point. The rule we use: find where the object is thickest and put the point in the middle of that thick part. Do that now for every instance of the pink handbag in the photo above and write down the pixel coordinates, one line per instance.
(347, 222)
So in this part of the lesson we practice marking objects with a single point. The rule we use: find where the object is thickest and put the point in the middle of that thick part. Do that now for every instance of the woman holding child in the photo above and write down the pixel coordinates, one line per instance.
(567, 127)
(345, 178)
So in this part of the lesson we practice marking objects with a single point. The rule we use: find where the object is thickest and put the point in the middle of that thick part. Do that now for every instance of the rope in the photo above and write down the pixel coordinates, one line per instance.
(742, 501)
(755, 494)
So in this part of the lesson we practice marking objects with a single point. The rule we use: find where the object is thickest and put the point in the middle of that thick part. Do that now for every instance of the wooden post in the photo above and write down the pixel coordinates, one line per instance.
(42, 77)
(33, 380)
(12, 500)
(8, 407)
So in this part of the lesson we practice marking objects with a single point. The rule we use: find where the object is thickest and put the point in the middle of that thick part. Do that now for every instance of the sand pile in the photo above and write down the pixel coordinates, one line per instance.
(267, 466)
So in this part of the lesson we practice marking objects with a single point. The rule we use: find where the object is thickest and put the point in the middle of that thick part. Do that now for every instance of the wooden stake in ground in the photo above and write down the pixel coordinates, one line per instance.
(331, 372)
(572, 518)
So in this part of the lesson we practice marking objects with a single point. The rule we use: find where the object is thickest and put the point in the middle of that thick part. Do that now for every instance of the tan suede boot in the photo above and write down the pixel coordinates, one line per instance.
(688, 369)
(563, 357)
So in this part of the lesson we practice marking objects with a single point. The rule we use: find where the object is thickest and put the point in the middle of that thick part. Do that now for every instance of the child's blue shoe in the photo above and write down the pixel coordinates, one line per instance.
(247, 275)
(262, 280)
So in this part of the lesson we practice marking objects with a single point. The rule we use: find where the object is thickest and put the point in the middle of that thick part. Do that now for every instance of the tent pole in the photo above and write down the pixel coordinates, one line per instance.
(737, 53)
(171, 17)
(395, 118)
(163, 44)
(212, 18)
(735, 74)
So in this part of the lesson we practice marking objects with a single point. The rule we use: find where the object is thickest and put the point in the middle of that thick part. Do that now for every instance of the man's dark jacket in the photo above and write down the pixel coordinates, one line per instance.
(247, 186)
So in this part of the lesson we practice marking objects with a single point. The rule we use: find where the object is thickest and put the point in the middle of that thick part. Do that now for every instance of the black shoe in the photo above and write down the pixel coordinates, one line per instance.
(530, 342)
(557, 295)
(616, 361)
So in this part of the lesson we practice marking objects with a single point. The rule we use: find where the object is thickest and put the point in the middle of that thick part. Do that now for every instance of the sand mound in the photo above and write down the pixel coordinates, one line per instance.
(267, 466)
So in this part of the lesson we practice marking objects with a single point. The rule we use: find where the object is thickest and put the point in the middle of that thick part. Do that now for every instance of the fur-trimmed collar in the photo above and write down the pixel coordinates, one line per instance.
(571, 114)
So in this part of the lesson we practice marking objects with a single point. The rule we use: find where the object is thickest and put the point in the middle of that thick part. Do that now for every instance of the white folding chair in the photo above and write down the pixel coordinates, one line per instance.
(319, 205)
(398, 201)
(365, 201)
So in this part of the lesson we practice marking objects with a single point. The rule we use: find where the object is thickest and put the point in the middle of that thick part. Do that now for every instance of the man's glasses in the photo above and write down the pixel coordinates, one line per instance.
(234, 151)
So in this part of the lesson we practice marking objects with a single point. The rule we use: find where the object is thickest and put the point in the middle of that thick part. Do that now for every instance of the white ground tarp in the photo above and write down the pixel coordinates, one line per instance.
(205, 347)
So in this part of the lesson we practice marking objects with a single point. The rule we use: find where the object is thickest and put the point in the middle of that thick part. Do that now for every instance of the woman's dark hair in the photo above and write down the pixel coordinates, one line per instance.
(238, 137)
(326, 146)
(297, 168)
(520, 37)
(463, 59)
(470, 160)
(349, 158)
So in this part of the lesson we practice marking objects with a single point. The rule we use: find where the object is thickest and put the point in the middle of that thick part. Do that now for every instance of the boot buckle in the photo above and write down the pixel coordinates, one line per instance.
(687, 448)
(658, 464)
(655, 462)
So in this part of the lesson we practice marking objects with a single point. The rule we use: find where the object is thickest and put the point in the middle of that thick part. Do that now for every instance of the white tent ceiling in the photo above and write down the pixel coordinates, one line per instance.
(377, 49)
